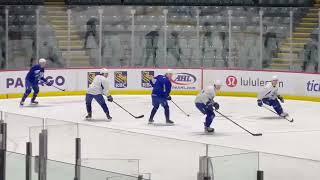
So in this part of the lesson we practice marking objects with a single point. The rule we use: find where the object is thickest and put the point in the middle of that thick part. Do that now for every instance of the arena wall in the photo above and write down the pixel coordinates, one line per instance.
(133, 81)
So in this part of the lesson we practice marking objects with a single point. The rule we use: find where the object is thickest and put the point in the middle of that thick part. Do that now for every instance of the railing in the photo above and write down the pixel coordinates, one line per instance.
(117, 152)
(161, 36)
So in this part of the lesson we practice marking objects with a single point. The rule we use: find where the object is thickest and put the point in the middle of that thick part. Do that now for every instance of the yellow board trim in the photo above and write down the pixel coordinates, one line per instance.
(148, 92)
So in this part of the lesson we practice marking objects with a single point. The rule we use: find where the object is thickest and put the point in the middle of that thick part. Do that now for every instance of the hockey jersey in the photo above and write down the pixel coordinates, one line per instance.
(269, 92)
(205, 97)
(99, 85)
(35, 74)
(161, 86)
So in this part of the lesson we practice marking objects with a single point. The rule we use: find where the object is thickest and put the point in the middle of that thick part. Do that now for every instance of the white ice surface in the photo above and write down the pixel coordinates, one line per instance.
(299, 139)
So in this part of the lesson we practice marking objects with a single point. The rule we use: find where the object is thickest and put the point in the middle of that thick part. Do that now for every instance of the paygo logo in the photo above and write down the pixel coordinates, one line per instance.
(231, 81)
(183, 79)
(19, 82)
(313, 86)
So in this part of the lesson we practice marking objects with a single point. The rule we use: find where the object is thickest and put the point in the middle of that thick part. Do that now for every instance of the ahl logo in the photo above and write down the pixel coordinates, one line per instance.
(183, 79)
(231, 81)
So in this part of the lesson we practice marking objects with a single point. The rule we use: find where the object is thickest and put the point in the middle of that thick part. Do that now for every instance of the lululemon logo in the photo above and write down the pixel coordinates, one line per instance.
(231, 81)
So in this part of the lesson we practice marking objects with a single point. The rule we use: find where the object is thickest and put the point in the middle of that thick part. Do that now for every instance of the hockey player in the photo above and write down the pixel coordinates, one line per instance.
(205, 103)
(96, 90)
(270, 96)
(33, 78)
(160, 95)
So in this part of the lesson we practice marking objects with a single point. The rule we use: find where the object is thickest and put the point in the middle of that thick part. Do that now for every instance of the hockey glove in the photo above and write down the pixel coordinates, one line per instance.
(281, 99)
(210, 103)
(260, 102)
(110, 98)
(216, 105)
(169, 98)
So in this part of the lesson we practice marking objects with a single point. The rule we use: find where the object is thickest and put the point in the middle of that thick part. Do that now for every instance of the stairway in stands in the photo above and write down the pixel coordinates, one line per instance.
(301, 36)
(58, 18)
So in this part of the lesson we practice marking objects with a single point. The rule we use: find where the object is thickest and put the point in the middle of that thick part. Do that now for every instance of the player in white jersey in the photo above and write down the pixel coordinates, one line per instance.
(96, 90)
(204, 102)
(270, 96)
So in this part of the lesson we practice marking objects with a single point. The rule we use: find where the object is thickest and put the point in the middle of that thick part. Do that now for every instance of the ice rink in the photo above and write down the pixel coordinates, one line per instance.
(298, 139)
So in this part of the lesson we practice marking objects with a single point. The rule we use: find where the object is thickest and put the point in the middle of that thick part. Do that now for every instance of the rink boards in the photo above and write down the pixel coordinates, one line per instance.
(301, 86)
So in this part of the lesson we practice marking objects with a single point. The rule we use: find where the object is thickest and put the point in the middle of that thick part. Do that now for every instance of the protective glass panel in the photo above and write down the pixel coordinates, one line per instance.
(214, 150)
(84, 35)
(15, 166)
(160, 156)
(276, 33)
(149, 36)
(214, 38)
(122, 166)
(59, 170)
(22, 33)
(246, 37)
(116, 36)
(18, 130)
(59, 135)
(181, 34)
(288, 168)
(237, 166)
(2, 37)
(305, 36)
(90, 173)
(52, 35)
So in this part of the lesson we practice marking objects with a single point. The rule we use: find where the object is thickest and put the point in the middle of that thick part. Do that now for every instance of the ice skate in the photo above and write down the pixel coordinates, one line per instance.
(151, 121)
(284, 114)
(169, 122)
(89, 116)
(34, 102)
(109, 118)
(208, 130)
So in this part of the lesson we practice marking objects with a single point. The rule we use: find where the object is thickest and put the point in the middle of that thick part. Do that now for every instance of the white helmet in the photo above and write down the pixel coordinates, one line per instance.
(217, 83)
(168, 72)
(209, 90)
(104, 71)
(42, 60)
(275, 78)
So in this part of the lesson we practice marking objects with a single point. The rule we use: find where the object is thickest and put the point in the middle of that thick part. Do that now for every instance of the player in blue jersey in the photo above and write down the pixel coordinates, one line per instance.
(33, 78)
(160, 95)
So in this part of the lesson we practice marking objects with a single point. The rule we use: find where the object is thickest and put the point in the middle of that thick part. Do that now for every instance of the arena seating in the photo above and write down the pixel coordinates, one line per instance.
(196, 2)
(21, 2)
(116, 30)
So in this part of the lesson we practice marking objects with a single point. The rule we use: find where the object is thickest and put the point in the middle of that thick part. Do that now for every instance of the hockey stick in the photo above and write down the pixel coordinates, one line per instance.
(290, 120)
(137, 117)
(180, 108)
(58, 88)
(253, 134)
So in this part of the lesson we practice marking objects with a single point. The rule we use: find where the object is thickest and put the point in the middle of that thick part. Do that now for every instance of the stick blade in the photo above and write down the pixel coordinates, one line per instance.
(138, 117)
(258, 134)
